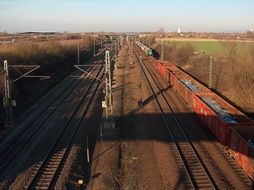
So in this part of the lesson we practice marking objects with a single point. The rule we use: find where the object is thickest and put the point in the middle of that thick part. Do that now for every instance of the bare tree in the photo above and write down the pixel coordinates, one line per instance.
(161, 32)
(242, 71)
(250, 34)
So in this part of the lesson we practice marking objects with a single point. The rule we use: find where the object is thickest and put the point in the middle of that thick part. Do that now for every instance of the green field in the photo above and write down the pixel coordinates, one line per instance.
(210, 47)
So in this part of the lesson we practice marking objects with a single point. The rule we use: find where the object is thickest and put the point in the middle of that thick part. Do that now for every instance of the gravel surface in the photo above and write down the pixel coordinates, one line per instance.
(31, 155)
(222, 168)
(138, 155)
(144, 157)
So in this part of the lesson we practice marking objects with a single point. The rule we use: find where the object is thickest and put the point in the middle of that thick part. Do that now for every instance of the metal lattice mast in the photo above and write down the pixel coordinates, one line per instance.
(108, 95)
(210, 84)
(78, 52)
(162, 50)
(8, 102)
(7, 94)
(94, 47)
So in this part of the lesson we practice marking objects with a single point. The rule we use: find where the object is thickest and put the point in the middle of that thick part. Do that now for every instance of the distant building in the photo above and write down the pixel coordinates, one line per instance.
(179, 30)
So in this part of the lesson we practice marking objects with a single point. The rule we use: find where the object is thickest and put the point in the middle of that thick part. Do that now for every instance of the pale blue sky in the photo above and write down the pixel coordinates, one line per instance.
(127, 15)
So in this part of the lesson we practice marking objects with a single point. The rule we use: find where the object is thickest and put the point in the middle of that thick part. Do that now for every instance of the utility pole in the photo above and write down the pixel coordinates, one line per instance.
(108, 120)
(117, 46)
(108, 78)
(162, 50)
(94, 47)
(8, 102)
(140, 102)
(87, 150)
(78, 53)
(7, 95)
(210, 85)
(116, 52)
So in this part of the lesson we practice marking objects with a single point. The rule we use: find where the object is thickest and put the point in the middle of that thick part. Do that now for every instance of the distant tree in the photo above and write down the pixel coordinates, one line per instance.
(152, 40)
(250, 34)
(230, 51)
(148, 40)
(242, 72)
(161, 32)
(184, 54)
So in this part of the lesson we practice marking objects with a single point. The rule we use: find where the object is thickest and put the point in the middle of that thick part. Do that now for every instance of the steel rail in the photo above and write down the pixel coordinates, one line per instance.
(197, 170)
(43, 177)
(9, 152)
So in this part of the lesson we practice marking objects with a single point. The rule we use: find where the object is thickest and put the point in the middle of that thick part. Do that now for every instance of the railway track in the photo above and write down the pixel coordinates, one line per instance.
(44, 172)
(36, 110)
(193, 171)
(23, 137)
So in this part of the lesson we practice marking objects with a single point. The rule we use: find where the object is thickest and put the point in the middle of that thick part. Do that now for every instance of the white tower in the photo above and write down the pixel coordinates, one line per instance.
(179, 30)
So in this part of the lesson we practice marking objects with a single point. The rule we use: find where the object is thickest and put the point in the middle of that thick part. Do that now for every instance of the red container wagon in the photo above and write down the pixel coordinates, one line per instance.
(166, 68)
(172, 67)
(218, 115)
(158, 65)
(188, 86)
(152, 60)
(241, 147)
(174, 79)
(162, 69)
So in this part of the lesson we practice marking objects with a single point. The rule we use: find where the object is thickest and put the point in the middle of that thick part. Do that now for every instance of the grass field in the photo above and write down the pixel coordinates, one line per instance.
(213, 47)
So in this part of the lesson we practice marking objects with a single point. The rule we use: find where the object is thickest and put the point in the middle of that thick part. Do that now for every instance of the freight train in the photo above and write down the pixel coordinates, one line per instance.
(146, 49)
(233, 129)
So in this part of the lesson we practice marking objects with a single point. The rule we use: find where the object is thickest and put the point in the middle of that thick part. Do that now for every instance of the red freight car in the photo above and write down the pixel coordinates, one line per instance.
(162, 69)
(187, 86)
(166, 68)
(174, 79)
(218, 115)
(172, 67)
(241, 147)
(152, 59)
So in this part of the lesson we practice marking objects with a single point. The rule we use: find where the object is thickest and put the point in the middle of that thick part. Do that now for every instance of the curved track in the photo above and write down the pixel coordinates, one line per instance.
(195, 173)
